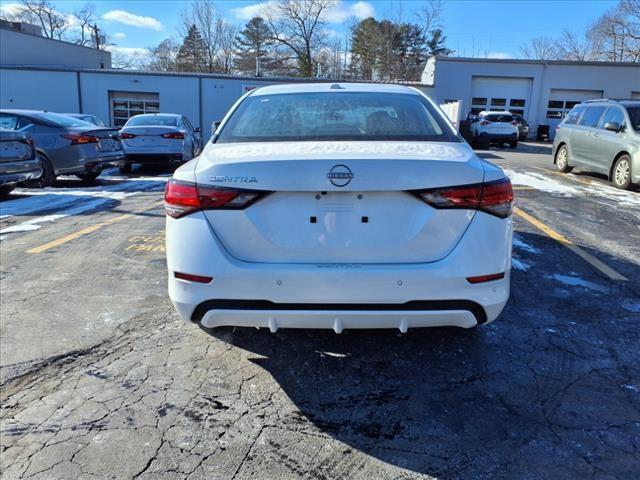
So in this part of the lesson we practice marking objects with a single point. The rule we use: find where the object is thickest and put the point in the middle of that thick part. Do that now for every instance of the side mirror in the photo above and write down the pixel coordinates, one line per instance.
(612, 126)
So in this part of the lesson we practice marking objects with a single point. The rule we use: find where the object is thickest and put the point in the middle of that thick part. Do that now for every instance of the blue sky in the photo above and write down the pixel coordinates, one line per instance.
(473, 28)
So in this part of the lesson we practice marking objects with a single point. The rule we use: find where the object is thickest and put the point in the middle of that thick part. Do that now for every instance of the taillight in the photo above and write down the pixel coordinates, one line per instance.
(79, 139)
(174, 135)
(126, 135)
(484, 122)
(495, 198)
(182, 198)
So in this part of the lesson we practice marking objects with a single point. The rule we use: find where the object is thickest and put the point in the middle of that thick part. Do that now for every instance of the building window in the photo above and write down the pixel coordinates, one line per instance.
(476, 110)
(517, 102)
(125, 105)
(570, 104)
(554, 113)
(479, 101)
(498, 102)
(555, 104)
(517, 111)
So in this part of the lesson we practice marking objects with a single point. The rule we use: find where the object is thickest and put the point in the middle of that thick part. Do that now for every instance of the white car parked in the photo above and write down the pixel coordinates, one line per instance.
(338, 206)
(159, 138)
(495, 127)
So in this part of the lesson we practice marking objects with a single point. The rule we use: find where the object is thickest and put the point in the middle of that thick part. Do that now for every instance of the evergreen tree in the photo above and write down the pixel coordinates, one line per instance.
(436, 44)
(364, 48)
(255, 41)
(192, 54)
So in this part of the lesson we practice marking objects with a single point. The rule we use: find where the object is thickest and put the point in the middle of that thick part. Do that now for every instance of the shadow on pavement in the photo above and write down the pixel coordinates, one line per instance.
(545, 388)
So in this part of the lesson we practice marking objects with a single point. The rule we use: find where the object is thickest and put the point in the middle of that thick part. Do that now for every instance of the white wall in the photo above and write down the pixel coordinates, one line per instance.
(39, 90)
(178, 94)
(20, 49)
(453, 80)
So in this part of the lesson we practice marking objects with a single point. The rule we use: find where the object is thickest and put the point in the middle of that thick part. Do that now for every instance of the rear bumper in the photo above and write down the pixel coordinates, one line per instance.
(155, 159)
(338, 320)
(339, 296)
(21, 171)
(499, 137)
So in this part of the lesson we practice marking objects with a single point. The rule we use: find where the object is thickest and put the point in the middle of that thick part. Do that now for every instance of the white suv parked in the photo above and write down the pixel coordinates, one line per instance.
(495, 127)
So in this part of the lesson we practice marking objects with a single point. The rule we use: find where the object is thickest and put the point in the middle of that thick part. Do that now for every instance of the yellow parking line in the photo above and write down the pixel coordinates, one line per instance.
(85, 231)
(593, 261)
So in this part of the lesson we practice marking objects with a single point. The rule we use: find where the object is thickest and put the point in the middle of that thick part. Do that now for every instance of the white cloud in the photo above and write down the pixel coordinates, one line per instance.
(128, 18)
(341, 12)
(338, 13)
(128, 51)
(253, 10)
(11, 10)
(119, 35)
(498, 55)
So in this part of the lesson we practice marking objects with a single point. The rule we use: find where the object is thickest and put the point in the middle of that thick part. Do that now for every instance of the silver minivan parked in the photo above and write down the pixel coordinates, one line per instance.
(601, 136)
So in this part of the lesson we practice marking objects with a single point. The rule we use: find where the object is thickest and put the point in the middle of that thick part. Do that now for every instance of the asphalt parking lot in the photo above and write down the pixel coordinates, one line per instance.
(100, 378)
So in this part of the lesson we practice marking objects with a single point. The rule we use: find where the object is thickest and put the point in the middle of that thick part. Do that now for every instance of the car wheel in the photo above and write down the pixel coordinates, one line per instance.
(48, 177)
(88, 177)
(513, 145)
(126, 168)
(622, 172)
(562, 160)
(5, 190)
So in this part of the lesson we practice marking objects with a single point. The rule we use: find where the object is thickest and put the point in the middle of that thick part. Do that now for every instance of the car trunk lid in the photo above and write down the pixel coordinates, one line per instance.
(339, 202)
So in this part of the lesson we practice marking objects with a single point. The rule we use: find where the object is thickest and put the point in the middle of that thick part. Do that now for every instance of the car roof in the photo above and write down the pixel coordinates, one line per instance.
(23, 111)
(331, 87)
(157, 115)
(495, 112)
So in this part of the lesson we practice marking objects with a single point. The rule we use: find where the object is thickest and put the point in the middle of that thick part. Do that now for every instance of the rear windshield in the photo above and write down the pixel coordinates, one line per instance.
(152, 120)
(634, 116)
(62, 120)
(499, 118)
(318, 116)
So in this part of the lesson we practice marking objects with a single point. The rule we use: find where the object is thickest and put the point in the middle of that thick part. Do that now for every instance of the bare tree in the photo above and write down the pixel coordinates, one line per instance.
(206, 17)
(298, 25)
(540, 48)
(616, 34)
(227, 53)
(430, 16)
(87, 35)
(572, 46)
(162, 57)
(44, 14)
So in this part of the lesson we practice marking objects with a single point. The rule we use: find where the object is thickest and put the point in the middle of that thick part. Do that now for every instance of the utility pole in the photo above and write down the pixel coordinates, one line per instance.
(96, 35)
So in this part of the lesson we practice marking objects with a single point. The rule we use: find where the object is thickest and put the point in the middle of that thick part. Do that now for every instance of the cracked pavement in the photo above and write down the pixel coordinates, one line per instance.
(101, 380)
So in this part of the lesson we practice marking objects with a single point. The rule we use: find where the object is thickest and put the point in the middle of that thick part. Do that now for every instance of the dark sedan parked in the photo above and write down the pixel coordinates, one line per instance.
(18, 160)
(523, 127)
(66, 145)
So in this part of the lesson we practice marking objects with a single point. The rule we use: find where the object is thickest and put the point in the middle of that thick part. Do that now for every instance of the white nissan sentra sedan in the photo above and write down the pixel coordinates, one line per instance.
(338, 206)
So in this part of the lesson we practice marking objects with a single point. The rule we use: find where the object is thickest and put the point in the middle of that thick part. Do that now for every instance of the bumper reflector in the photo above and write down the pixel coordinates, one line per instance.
(192, 278)
(486, 278)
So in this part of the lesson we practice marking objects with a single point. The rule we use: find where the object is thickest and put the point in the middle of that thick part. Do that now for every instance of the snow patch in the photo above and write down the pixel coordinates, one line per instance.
(285, 150)
(55, 198)
(519, 265)
(541, 182)
(630, 305)
(518, 243)
(579, 282)
(34, 223)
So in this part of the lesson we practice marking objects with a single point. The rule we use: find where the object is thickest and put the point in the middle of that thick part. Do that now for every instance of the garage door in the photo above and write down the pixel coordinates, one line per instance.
(501, 93)
(635, 95)
(561, 101)
(127, 104)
